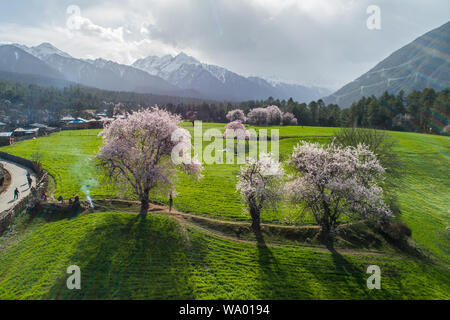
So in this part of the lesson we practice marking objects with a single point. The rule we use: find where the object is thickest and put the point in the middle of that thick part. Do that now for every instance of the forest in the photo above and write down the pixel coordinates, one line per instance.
(425, 111)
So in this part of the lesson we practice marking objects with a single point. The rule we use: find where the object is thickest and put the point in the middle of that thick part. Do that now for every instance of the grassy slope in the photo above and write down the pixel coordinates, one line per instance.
(425, 189)
(424, 195)
(124, 257)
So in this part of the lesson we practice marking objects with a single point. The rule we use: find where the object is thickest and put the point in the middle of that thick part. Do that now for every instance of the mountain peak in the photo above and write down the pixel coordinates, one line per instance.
(46, 45)
(184, 58)
(44, 50)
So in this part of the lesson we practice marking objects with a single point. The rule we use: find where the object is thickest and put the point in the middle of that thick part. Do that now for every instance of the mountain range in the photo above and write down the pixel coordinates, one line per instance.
(219, 83)
(179, 75)
(423, 63)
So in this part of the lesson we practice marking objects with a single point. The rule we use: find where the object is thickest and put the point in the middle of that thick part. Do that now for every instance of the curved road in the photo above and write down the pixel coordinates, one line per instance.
(18, 180)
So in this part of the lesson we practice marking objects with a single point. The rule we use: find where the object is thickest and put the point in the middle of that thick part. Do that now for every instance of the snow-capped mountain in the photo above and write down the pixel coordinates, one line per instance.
(99, 73)
(219, 83)
(180, 75)
(13, 59)
(43, 50)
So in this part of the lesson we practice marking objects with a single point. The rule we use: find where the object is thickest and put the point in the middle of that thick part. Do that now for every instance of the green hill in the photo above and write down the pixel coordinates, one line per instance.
(122, 256)
(36, 253)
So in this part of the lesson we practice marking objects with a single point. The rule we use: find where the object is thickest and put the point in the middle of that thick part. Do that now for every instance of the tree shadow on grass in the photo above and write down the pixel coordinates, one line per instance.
(345, 279)
(134, 257)
(277, 280)
(50, 213)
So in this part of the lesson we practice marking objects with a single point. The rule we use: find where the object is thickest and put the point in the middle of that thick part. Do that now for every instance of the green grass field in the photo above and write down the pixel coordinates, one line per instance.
(132, 263)
(123, 256)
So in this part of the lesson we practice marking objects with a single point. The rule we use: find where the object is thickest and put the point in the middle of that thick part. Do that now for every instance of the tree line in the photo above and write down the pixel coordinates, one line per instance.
(421, 111)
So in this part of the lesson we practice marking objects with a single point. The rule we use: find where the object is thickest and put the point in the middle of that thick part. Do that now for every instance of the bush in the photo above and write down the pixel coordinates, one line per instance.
(397, 230)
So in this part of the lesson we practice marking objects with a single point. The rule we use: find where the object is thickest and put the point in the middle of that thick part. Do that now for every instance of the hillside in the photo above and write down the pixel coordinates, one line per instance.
(423, 63)
(16, 60)
(423, 194)
(123, 256)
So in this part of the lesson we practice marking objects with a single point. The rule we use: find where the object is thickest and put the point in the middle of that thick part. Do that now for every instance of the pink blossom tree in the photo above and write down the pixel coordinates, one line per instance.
(258, 116)
(138, 152)
(335, 181)
(236, 114)
(274, 115)
(259, 184)
(289, 119)
(237, 130)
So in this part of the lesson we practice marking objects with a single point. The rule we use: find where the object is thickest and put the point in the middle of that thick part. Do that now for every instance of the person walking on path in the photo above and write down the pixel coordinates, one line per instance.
(16, 194)
(30, 181)
(170, 202)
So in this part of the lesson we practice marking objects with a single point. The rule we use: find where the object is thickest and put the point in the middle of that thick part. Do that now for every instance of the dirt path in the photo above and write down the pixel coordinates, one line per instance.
(179, 217)
(18, 180)
(194, 221)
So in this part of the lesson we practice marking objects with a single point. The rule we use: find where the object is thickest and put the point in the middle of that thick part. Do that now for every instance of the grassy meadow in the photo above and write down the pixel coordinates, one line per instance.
(123, 256)
(128, 258)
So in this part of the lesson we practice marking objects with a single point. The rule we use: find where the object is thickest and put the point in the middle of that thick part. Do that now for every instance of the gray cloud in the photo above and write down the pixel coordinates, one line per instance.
(310, 41)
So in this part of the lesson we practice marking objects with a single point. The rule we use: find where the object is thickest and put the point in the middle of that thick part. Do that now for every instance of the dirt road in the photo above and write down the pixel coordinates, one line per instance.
(18, 180)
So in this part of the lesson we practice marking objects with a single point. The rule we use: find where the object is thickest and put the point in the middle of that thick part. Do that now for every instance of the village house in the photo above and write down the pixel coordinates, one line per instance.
(6, 138)
(29, 133)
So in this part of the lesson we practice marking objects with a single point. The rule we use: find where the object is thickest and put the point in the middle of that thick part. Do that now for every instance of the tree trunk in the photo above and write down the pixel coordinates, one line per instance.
(144, 205)
(256, 220)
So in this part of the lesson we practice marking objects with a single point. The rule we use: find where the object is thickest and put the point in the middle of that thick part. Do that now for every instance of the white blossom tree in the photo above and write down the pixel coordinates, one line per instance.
(289, 119)
(236, 114)
(274, 115)
(259, 184)
(334, 181)
(237, 130)
(137, 151)
(258, 116)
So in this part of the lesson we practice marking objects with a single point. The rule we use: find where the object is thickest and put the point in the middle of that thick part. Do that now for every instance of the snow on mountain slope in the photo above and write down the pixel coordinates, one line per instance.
(219, 83)
(43, 50)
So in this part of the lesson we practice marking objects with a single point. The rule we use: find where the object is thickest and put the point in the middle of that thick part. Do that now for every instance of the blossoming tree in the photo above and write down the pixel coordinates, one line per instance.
(138, 152)
(289, 119)
(236, 114)
(258, 116)
(259, 184)
(334, 181)
(274, 115)
(237, 130)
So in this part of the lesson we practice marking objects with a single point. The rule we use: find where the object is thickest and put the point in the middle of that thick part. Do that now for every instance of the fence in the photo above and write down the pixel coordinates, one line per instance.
(41, 186)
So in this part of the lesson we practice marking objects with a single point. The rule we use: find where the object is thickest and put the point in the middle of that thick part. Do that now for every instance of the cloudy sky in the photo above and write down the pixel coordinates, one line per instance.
(314, 42)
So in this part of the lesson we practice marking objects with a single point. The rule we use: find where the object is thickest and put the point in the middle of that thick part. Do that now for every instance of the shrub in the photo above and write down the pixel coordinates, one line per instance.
(397, 230)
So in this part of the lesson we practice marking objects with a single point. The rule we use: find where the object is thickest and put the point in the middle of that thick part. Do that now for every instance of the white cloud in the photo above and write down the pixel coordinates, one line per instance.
(321, 42)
